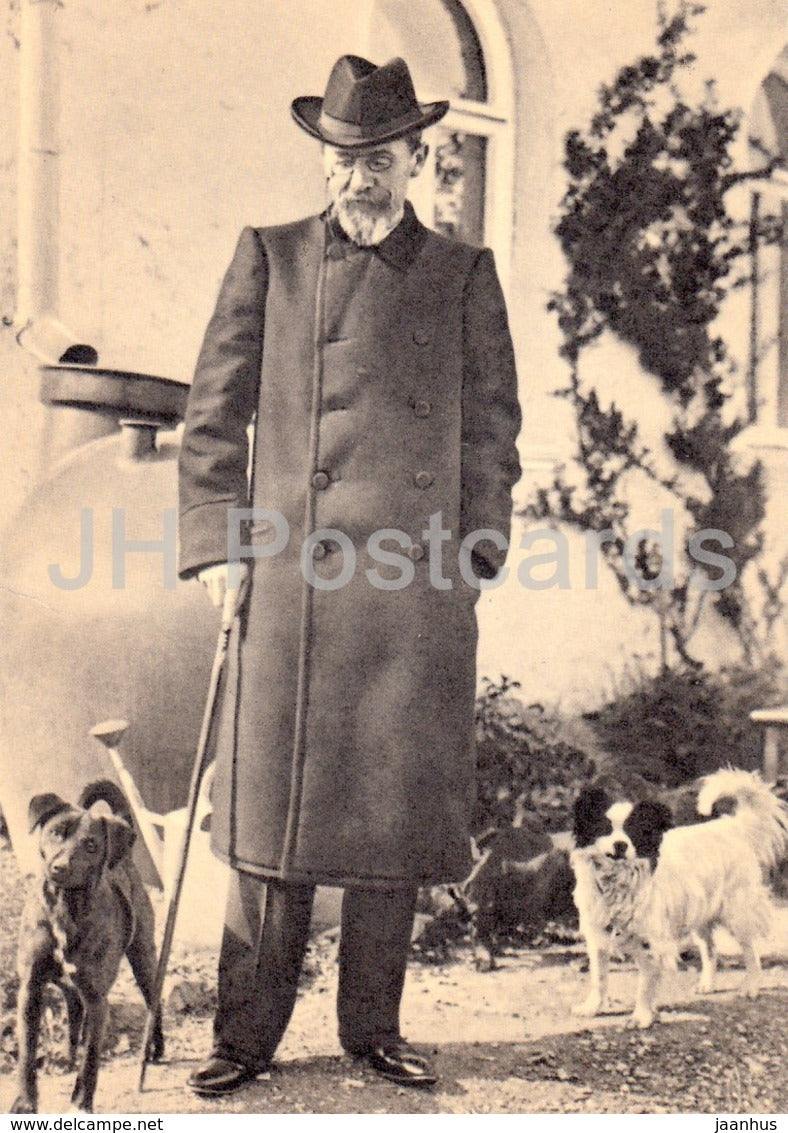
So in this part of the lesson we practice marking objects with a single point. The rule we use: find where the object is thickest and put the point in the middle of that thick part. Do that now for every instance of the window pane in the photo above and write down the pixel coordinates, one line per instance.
(439, 42)
(459, 187)
(768, 129)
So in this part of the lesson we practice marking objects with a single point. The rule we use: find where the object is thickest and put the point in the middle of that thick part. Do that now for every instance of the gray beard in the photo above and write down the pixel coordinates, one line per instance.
(363, 226)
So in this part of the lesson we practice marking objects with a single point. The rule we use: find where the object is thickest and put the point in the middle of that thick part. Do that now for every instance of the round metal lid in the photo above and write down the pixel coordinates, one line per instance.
(160, 400)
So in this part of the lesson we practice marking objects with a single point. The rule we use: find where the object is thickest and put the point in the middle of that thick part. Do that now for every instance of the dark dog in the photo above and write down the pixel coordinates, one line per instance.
(87, 911)
(519, 883)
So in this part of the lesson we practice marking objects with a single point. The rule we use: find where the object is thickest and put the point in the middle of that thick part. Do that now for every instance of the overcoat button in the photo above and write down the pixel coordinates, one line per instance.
(421, 336)
(319, 551)
(422, 409)
(423, 479)
(415, 552)
(321, 480)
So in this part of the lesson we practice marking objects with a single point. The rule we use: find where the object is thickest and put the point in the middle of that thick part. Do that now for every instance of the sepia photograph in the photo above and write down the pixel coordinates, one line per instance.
(393, 560)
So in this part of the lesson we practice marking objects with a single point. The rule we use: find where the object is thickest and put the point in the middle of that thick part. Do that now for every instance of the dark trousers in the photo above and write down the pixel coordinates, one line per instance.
(265, 937)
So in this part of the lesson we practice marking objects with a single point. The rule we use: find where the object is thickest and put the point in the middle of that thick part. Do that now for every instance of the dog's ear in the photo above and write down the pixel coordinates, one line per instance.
(42, 808)
(588, 813)
(645, 826)
(120, 839)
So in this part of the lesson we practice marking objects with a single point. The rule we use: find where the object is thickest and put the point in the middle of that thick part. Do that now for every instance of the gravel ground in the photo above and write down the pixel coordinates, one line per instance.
(504, 1042)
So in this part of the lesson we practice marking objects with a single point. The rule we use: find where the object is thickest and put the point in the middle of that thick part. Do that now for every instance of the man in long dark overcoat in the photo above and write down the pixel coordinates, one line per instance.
(375, 360)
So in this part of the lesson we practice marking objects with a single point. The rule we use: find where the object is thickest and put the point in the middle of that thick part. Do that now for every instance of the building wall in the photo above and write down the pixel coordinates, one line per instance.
(175, 131)
(20, 417)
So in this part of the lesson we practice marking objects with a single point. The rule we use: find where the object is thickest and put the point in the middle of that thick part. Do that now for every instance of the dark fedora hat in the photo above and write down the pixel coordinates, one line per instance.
(365, 104)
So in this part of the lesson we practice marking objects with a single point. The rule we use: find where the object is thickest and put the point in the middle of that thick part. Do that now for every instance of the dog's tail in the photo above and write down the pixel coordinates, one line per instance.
(105, 791)
(758, 810)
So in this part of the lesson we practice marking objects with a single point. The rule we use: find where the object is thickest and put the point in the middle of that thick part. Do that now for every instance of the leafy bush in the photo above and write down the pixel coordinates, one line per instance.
(652, 254)
(520, 751)
(675, 726)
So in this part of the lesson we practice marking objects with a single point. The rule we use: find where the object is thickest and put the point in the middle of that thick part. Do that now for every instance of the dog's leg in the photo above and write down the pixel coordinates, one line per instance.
(645, 1000)
(484, 943)
(484, 952)
(704, 942)
(598, 969)
(85, 1085)
(746, 925)
(751, 984)
(28, 1020)
(141, 954)
(76, 1012)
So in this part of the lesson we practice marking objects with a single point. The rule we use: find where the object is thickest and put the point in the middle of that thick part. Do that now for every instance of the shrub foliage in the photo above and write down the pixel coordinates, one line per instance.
(677, 725)
(520, 751)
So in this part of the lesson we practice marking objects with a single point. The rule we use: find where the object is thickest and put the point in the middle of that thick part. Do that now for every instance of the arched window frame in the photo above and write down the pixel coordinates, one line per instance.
(492, 120)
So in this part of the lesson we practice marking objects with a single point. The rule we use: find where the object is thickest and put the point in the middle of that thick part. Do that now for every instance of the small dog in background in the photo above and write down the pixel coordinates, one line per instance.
(644, 885)
(87, 910)
(520, 882)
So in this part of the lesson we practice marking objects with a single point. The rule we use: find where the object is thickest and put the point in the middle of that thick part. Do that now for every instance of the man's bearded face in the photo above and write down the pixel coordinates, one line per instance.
(368, 187)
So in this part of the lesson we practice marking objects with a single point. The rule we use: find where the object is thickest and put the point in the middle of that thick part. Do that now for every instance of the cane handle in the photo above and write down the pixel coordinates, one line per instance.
(228, 609)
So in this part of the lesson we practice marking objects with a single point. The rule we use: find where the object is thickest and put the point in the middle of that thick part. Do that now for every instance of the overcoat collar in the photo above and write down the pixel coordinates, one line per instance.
(400, 247)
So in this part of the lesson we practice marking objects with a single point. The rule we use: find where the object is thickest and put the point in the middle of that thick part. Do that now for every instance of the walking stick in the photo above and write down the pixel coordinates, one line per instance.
(228, 612)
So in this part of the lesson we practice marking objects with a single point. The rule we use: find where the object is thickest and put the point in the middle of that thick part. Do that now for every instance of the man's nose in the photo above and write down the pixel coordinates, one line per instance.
(361, 177)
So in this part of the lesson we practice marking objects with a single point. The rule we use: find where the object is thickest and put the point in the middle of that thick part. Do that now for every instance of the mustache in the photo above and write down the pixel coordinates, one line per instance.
(377, 199)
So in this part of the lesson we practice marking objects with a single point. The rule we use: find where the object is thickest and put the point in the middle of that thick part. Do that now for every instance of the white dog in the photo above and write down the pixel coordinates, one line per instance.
(643, 887)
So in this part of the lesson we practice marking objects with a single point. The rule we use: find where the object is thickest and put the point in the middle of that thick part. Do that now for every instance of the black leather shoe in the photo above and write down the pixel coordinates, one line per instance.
(220, 1076)
(398, 1062)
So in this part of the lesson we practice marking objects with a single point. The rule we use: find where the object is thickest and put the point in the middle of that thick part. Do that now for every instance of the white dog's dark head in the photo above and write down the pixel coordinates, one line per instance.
(619, 828)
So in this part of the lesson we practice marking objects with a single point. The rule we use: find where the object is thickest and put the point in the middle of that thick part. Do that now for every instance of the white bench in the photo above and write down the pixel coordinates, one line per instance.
(771, 720)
